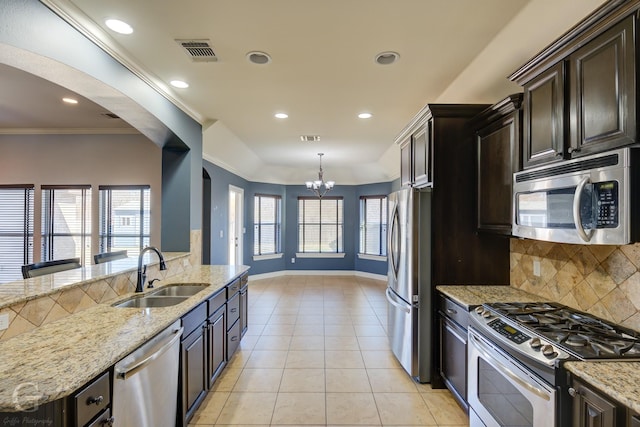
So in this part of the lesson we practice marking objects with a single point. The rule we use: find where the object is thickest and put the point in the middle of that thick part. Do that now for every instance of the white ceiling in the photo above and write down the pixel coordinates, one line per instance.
(323, 71)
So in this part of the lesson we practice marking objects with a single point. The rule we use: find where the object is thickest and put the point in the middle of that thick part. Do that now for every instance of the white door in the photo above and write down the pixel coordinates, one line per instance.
(236, 225)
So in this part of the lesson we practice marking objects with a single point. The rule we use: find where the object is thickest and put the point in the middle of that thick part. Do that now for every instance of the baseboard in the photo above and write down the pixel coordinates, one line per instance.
(317, 273)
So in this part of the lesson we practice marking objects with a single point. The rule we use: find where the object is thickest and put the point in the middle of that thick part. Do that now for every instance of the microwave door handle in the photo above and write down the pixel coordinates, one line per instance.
(576, 210)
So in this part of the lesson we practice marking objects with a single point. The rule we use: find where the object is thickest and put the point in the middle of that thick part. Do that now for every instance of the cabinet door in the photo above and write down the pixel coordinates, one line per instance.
(498, 154)
(602, 91)
(590, 409)
(453, 359)
(422, 149)
(244, 310)
(406, 170)
(193, 355)
(217, 343)
(544, 118)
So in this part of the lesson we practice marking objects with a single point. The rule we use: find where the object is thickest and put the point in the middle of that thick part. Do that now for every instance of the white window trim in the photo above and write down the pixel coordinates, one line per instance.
(320, 255)
(372, 257)
(269, 256)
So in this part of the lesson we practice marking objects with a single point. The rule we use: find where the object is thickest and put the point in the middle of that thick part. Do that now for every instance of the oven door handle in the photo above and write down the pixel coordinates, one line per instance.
(484, 351)
(577, 197)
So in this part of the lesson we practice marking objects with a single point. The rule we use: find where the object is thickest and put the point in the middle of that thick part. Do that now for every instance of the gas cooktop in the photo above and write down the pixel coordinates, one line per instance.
(578, 333)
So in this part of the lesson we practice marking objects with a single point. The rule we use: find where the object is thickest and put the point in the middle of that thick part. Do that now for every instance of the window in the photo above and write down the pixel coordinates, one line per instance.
(320, 225)
(124, 218)
(266, 224)
(66, 223)
(373, 225)
(16, 230)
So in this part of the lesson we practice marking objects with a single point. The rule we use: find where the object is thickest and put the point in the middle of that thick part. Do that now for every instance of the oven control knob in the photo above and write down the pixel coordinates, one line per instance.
(549, 351)
(487, 314)
(479, 310)
(535, 343)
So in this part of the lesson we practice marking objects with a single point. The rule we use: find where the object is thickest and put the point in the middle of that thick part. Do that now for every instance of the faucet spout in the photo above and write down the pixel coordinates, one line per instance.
(141, 271)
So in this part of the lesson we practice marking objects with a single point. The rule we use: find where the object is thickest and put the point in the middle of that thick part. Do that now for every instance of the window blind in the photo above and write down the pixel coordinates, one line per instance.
(16, 230)
(320, 225)
(267, 224)
(373, 225)
(125, 218)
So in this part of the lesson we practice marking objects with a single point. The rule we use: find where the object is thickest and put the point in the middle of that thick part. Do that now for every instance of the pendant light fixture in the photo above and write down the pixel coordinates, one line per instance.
(319, 186)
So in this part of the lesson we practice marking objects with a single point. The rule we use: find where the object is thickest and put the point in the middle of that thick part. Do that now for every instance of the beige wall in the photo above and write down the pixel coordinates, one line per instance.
(602, 280)
(83, 159)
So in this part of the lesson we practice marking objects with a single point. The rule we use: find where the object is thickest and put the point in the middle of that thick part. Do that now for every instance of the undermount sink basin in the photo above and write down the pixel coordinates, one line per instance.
(150, 301)
(178, 290)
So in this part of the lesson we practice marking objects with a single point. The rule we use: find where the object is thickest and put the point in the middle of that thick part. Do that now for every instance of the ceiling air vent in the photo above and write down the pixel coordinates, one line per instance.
(309, 138)
(198, 50)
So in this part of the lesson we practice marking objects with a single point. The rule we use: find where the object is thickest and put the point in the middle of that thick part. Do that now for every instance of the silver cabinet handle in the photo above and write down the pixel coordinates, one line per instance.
(451, 311)
(577, 197)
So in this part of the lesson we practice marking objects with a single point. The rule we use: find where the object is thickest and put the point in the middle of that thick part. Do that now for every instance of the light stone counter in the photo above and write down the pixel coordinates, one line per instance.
(36, 287)
(473, 295)
(58, 358)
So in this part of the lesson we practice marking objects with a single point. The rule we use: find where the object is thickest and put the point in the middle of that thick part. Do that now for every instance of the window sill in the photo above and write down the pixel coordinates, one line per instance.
(264, 257)
(320, 255)
(372, 257)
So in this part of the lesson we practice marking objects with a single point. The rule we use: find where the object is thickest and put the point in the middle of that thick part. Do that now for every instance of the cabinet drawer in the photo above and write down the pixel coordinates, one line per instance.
(233, 309)
(244, 279)
(216, 301)
(454, 311)
(103, 420)
(233, 339)
(194, 319)
(92, 399)
(233, 288)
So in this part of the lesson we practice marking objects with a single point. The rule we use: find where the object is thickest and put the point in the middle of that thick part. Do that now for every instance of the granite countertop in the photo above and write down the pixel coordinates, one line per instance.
(35, 287)
(56, 359)
(470, 296)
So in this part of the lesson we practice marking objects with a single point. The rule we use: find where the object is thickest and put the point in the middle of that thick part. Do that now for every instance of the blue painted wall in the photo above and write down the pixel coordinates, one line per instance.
(220, 181)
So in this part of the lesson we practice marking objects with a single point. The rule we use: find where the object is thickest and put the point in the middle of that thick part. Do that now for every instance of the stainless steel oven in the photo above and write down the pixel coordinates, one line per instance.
(502, 392)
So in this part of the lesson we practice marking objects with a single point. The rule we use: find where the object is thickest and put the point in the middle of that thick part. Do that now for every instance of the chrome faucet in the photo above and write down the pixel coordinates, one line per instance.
(142, 272)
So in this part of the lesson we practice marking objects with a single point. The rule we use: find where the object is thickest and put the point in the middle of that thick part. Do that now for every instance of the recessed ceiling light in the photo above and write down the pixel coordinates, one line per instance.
(179, 84)
(281, 115)
(70, 100)
(119, 26)
(387, 58)
(364, 115)
(259, 58)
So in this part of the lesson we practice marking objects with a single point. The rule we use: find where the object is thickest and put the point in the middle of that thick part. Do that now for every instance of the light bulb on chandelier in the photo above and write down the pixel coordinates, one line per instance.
(319, 186)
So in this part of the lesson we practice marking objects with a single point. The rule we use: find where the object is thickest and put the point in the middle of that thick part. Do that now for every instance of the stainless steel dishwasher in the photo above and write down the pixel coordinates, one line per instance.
(145, 385)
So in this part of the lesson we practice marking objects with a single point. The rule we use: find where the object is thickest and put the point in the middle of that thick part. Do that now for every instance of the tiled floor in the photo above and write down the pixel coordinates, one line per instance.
(316, 353)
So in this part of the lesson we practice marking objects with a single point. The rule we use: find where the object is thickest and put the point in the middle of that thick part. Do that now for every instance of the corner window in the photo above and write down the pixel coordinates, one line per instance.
(373, 225)
(16, 230)
(124, 218)
(267, 225)
(66, 223)
(320, 225)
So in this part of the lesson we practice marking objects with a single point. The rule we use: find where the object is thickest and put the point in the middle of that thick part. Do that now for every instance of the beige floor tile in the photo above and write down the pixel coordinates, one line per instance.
(347, 380)
(255, 328)
(343, 359)
(373, 343)
(315, 329)
(339, 330)
(210, 408)
(266, 359)
(379, 359)
(248, 408)
(309, 319)
(336, 318)
(259, 380)
(403, 409)
(352, 408)
(391, 381)
(299, 409)
(307, 342)
(283, 319)
(248, 342)
(239, 359)
(445, 409)
(278, 330)
(303, 381)
(272, 342)
(365, 320)
(227, 379)
(305, 359)
(369, 330)
(341, 343)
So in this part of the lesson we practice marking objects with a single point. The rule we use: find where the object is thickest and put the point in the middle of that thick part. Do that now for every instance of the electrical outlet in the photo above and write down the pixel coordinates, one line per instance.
(536, 267)
(221, 234)
(293, 260)
(4, 321)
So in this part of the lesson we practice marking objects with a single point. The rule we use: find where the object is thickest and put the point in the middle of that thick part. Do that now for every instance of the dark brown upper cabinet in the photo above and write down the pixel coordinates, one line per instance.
(580, 92)
(498, 137)
(415, 156)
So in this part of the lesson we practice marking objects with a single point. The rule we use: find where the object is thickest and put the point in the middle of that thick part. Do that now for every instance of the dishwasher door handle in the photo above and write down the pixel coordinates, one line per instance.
(127, 371)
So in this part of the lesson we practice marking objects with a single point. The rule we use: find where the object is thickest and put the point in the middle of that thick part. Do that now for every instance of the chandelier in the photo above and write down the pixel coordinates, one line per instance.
(319, 186)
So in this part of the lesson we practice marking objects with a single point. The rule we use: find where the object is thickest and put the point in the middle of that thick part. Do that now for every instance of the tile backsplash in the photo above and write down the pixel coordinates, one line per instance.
(601, 280)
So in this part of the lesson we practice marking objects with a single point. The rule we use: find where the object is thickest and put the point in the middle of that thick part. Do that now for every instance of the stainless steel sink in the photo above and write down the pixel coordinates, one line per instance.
(150, 301)
(178, 290)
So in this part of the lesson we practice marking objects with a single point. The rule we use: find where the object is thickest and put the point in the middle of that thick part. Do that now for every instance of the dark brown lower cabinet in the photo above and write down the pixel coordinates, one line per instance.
(244, 306)
(216, 345)
(592, 409)
(453, 321)
(193, 363)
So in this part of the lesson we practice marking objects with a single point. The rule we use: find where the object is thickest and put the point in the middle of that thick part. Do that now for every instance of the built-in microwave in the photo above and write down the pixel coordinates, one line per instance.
(590, 200)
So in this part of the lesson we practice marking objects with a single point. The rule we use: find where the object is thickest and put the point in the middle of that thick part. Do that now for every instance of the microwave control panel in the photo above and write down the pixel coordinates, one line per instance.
(607, 203)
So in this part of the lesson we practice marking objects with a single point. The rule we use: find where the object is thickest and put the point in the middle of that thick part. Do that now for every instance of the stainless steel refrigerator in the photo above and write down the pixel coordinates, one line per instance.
(409, 280)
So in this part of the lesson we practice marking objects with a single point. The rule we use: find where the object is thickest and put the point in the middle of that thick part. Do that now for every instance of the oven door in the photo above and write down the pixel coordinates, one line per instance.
(503, 393)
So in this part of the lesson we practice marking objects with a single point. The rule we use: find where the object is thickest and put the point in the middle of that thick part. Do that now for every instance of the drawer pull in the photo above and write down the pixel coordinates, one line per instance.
(108, 422)
(234, 338)
(95, 400)
(233, 310)
(451, 311)
(573, 392)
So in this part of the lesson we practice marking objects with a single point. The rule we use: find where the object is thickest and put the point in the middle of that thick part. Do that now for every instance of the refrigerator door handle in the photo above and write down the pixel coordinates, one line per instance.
(393, 302)
(394, 242)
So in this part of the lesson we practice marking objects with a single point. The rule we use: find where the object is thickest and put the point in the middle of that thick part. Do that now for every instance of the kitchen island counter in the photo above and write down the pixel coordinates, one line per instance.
(56, 359)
